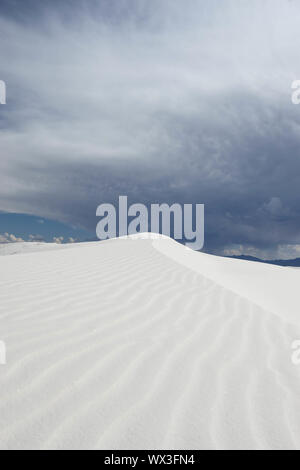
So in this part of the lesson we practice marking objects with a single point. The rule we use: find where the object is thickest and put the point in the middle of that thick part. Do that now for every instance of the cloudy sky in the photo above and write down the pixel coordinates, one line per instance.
(163, 101)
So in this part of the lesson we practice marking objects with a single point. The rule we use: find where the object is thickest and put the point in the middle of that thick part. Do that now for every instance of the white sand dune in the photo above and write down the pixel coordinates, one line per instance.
(26, 247)
(142, 344)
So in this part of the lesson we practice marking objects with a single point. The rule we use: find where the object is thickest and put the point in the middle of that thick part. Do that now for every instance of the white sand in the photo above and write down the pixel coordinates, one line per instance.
(140, 344)
(25, 247)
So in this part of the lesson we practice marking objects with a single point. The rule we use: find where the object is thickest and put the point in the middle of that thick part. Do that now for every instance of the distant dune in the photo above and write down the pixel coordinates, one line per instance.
(144, 344)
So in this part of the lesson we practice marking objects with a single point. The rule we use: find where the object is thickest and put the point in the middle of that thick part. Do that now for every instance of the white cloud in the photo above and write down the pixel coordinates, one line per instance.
(58, 240)
(275, 208)
(9, 238)
(36, 238)
(280, 252)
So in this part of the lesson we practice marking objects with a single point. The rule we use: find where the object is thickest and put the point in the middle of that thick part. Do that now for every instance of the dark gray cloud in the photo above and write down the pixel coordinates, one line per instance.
(160, 103)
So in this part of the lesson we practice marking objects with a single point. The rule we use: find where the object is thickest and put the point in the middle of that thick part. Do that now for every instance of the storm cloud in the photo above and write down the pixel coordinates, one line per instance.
(160, 101)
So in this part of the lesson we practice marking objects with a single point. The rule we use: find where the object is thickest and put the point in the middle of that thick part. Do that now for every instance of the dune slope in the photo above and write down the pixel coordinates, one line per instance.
(142, 344)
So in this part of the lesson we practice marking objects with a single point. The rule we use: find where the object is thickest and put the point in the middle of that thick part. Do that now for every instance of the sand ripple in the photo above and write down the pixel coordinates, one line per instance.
(118, 345)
